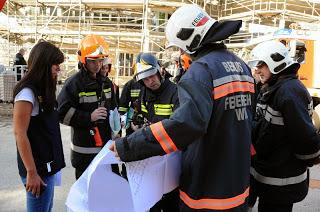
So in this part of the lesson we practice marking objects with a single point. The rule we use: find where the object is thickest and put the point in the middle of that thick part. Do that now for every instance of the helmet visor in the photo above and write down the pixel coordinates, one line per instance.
(255, 63)
(143, 71)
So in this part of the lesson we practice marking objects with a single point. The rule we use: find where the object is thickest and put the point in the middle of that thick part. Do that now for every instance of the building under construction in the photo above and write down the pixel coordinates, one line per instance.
(132, 26)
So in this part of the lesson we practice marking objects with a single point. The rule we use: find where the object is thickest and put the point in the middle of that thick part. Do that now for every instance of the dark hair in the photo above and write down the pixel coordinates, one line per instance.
(42, 56)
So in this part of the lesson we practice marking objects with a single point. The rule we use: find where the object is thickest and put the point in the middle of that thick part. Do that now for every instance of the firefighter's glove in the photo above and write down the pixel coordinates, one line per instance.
(99, 113)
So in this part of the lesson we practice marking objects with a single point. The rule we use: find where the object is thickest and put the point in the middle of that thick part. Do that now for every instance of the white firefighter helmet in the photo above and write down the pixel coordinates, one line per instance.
(274, 54)
(187, 27)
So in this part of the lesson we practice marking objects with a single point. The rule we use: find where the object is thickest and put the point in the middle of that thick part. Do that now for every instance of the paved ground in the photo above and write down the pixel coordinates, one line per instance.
(12, 196)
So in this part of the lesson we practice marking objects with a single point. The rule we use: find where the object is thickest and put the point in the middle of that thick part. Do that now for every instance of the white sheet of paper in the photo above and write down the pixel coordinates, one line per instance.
(99, 189)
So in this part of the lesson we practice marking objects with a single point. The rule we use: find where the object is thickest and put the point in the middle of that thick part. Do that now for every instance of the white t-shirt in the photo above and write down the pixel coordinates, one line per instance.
(26, 94)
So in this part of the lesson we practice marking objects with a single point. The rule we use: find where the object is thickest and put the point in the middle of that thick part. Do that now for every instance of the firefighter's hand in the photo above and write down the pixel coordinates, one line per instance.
(135, 127)
(34, 183)
(113, 148)
(99, 113)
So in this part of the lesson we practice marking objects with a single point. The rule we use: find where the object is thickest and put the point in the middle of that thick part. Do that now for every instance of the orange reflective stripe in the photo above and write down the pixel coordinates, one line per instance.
(232, 87)
(163, 138)
(215, 204)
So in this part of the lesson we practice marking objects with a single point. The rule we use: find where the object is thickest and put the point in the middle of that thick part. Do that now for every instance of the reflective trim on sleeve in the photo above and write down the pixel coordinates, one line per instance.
(232, 87)
(108, 95)
(163, 109)
(163, 138)
(143, 108)
(68, 116)
(310, 108)
(271, 115)
(215, 204)
(278, 181)
(107, 92)
(307, 157)
(85, 150)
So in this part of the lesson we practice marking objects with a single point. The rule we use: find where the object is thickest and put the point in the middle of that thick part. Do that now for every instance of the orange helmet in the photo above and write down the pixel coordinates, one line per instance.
(185, 61)
(92, 46)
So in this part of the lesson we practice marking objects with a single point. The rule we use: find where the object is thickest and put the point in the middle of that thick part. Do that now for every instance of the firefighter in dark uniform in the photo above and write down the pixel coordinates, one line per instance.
(212, 126)
(84, 104)
(158, 99)
(285, 140)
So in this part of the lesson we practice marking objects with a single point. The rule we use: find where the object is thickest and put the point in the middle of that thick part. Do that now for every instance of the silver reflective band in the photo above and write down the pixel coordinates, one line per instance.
(232, 78)
(108, 95)
(310, 108)
(85, 150)
(278, 181)
(306, 157)
(68, 116)
(88, 99)
(271, 115)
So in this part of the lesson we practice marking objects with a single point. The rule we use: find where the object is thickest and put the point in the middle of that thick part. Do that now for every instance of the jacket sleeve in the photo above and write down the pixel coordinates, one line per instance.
(124, 99)
(187, 124)
(68, 107)
(297, 110)
(175, 100)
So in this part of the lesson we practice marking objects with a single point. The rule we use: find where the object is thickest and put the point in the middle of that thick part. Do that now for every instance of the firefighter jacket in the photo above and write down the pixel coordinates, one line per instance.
(160, 104)
(285, 141)
(130, 93)
(212, 127)
(79, 97)
(45, 141)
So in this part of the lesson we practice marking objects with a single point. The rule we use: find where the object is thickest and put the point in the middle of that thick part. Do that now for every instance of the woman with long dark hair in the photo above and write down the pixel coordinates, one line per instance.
(36, 126)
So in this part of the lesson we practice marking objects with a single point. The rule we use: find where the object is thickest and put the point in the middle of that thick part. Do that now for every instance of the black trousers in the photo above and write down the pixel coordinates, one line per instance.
(168, 203)
(79, 171)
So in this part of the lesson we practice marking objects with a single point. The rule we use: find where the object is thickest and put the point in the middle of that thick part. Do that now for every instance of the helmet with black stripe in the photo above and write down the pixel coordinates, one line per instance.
(274, 54)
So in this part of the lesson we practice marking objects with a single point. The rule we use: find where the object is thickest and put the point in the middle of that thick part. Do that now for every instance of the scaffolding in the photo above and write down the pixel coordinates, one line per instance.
(132, 26)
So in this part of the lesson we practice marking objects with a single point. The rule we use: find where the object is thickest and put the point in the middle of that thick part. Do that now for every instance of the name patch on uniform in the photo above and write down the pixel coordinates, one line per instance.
(238, 103)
